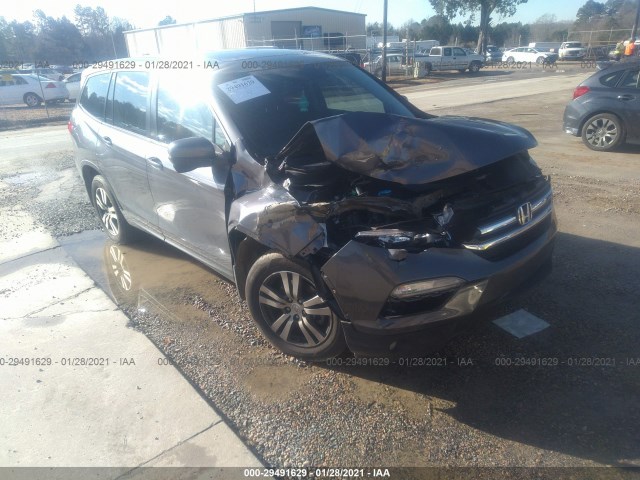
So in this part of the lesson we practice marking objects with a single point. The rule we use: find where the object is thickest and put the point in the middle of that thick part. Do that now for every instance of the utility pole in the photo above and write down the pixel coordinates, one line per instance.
(384, 43)
(635, 24)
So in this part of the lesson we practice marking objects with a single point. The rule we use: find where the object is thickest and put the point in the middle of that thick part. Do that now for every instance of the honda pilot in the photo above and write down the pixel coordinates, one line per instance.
(345, 216)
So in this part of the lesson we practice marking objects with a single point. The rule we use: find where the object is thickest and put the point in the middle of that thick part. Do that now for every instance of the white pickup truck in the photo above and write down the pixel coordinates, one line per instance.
(451, 58)
(571, 51)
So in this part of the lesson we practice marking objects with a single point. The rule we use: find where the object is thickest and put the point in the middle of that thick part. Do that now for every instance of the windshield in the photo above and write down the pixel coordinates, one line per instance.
(270, 106)
(572, 45)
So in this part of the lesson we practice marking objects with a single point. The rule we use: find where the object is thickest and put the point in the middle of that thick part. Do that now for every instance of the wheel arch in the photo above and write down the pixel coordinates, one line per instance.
(88, 174)
(244, 253)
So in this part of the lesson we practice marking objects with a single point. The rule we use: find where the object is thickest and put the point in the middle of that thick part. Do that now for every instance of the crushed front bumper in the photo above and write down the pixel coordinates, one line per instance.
(362, 278)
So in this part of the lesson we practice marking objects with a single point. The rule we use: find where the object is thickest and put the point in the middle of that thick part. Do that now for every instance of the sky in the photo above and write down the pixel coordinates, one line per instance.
(144, 13)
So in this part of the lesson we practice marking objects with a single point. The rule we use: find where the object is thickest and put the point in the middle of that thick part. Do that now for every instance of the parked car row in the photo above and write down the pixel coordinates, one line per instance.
(440, 58)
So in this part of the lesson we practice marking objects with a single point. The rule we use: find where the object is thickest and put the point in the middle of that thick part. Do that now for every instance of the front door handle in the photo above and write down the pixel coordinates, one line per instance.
(155, 163)
(626, 97)
(107, 140)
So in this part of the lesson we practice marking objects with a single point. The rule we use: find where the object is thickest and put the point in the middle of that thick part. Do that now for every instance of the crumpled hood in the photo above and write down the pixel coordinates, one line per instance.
(408, 151)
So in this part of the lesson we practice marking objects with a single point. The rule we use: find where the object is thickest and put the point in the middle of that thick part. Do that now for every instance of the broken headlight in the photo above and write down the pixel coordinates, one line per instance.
(394, 238)
(426, 287)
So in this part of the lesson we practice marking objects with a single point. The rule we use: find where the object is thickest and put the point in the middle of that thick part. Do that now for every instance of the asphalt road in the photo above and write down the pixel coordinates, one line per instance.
(564, 397)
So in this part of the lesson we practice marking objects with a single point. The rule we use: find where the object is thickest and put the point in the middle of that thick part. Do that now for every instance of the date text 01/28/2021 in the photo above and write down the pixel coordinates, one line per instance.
(322, 472)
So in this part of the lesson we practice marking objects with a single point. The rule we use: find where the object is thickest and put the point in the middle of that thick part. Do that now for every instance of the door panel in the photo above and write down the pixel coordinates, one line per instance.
(190, 206)
(627, 102)
(125, 145)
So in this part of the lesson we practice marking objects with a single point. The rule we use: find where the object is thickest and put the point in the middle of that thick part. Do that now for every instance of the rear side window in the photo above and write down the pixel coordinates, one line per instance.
(630, 79)
(611, 79)
(94, 94)
(130, 101)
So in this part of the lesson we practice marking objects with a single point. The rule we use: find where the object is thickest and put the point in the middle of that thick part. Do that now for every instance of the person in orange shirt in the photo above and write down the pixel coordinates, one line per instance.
(630, 49)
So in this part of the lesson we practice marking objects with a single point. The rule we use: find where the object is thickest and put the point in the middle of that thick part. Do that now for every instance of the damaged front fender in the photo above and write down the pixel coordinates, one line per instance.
(274, 218)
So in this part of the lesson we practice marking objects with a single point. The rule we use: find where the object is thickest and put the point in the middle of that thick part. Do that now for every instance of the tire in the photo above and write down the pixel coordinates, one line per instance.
(111, 218)
(428, 68)
(474, 67)
(282, 298)
(603, 132)
(31, 99)
(511, 60)
(540, 60)
(462, 70)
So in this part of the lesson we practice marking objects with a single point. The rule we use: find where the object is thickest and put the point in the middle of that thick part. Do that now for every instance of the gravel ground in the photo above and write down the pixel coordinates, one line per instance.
(21, 116)
(53, 193)
(471, 412)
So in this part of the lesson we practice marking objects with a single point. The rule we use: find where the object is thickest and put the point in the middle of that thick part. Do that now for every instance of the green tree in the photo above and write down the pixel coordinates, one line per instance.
(589, 11)
(376, 29)
(58, 42)
(438, 28)
(168, 20)
(452, 8)
(118, 27)
(410, 30)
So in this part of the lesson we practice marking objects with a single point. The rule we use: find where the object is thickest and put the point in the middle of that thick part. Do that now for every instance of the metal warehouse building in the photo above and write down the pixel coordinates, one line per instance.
(308, 28)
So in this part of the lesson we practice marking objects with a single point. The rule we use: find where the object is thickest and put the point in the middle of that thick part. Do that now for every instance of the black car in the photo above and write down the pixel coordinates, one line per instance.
(344, 215)
(493, 54)
(606, 107)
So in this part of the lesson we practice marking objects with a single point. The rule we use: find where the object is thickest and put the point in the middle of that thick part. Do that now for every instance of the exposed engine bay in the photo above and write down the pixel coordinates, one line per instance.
(393, 206)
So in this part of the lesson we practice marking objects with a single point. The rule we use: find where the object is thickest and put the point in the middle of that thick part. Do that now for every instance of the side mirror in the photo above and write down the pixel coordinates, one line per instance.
(187, 154)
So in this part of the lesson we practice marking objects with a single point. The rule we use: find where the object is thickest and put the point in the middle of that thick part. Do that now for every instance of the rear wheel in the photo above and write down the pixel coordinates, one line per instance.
(113, 222)
(31, 99)
(602, 132)
(289, 310)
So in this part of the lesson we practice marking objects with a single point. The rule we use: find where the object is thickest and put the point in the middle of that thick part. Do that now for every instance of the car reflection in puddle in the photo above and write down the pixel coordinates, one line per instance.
(155, 279)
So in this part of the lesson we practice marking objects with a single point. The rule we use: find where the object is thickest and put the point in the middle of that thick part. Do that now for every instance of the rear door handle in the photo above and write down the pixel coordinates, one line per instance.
(107, 140)
(155, 163)
(626, 97)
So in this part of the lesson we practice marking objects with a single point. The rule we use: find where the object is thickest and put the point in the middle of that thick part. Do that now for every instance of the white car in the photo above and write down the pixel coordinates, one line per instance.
(394, 65)
(73, 85)
(29, 89)
(528, 54)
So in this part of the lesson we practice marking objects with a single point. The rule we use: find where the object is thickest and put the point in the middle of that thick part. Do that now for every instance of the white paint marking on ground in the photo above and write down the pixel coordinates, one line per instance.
(521, 323)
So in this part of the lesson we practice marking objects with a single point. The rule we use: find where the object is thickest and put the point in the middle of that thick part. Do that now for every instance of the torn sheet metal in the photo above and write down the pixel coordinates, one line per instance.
(405, 150)
(274, 218)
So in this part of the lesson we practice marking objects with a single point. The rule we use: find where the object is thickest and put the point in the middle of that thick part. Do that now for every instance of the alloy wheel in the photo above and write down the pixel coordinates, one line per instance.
(107, 212)
(293, 309)
(602, 133)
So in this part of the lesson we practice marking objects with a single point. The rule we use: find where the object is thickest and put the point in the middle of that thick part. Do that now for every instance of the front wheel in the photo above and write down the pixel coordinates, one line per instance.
(290, 311)
(511, 60)
(602, 132)
(113, 222)
(31, 99)
(540, 60)
(474, 67)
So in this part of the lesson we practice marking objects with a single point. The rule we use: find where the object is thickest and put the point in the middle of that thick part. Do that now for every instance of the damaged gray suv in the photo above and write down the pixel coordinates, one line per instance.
(345, 216)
